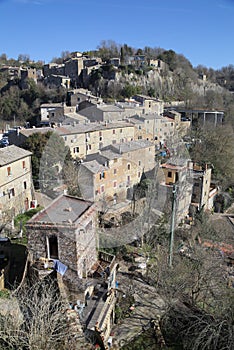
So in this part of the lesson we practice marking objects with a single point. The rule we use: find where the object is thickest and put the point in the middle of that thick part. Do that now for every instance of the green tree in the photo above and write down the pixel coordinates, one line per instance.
(169, 57)
(130, 90)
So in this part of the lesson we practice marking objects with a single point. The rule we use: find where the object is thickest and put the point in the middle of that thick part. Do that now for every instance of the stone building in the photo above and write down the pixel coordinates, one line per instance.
(19, 136)
(85, 139)
(58, 81)
(53, 68)
(82, 98)
(73, 68)
(16, 187)
(150, 104)
(54, 113)
(178, 180)
(157, 64)
(203, 190)
(109, 175)
(63, 237)
(153, 127)
(103, 112)
(28, 73)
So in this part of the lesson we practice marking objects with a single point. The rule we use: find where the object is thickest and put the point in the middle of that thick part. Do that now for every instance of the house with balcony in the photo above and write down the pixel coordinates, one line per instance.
(16, 186)
(62, 238)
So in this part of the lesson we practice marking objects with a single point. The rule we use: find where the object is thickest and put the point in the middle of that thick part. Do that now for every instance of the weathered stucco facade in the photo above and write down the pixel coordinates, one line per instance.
(108, 175)
(85, 139)
(16, 187)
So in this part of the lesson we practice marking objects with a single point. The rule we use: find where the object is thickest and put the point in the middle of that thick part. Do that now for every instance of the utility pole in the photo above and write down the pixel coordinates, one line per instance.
(172, 224)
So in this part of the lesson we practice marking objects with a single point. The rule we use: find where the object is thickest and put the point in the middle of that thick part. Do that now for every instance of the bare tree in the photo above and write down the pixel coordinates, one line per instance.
(36, 319)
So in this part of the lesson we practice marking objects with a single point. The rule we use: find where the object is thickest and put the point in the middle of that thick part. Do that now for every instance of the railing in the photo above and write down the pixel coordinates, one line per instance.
(107, 309)
(108, 258)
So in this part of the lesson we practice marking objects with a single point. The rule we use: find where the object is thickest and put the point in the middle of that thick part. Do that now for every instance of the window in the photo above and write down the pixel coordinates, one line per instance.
(11, 193)
(128, 180)
(113, 142)
(24, 164)
(89, 147)
(121, 130)
(65, 138)
(129, 166)
(9, 171)
(102, 188)
(139, 163)
(139, 127)
(139, 174)
(115, 171)
(76, 150)
(25, 185)
(115, 160)
(115, 184)
(100, 133)
(169, 174)
(100, 138)
(102, 175)
(113, 131)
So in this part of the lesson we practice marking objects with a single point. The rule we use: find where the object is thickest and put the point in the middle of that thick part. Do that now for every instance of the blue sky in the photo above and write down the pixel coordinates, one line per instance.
(201, 30)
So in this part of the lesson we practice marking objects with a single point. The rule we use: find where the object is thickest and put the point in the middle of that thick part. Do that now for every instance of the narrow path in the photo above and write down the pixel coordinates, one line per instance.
(148, 306)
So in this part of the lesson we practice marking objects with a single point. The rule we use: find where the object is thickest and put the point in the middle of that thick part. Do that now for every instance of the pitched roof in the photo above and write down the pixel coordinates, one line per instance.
(94, 167)
(28, 132)
(11, 154)
(63, 210)
(130, 146)
(89, 127)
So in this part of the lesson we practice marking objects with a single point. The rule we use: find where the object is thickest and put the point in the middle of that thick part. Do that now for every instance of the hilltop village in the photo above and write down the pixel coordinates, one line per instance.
(110, 200)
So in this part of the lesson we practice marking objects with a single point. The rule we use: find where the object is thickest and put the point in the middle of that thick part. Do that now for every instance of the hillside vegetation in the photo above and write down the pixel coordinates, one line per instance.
(179, 80)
